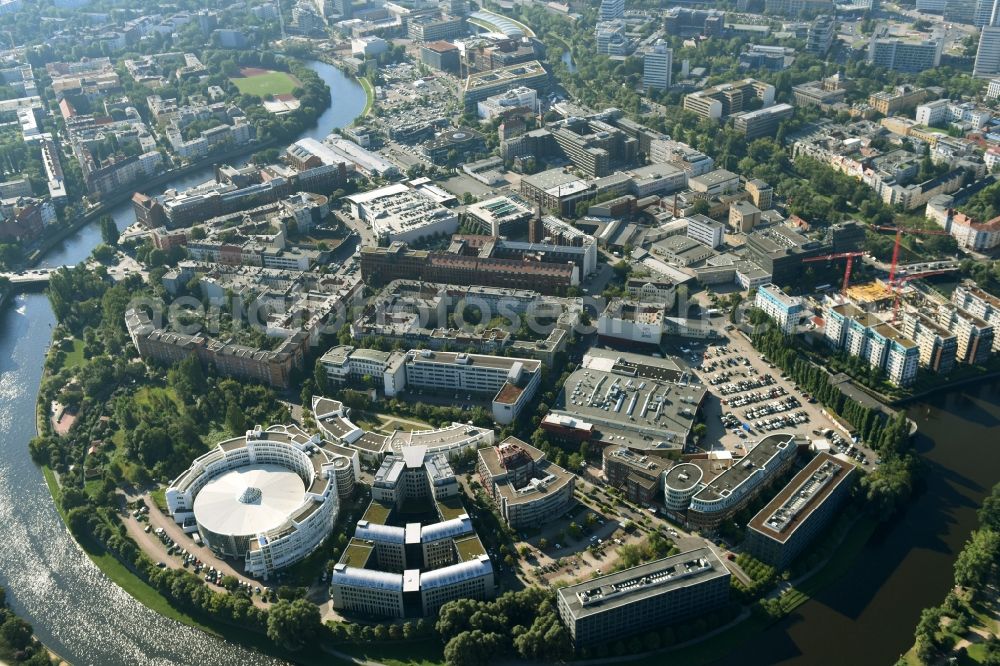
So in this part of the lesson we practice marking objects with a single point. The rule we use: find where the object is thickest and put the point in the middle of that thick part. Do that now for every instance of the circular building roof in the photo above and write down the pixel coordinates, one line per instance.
(249, 500)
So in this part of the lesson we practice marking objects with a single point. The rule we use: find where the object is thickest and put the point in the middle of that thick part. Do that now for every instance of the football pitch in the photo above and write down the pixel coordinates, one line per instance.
(265, 82)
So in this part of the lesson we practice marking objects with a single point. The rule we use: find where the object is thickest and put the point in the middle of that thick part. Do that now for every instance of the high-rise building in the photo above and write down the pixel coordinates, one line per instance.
(905, 55)
(819, 38)
(656, 66)
(612, 9)
(611, 38)
(988, 54)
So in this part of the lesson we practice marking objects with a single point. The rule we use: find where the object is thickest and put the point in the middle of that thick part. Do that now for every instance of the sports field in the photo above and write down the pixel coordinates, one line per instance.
(264, 82)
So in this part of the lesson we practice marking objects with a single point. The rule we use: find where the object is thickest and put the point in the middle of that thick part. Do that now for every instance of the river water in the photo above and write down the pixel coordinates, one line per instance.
(869, 616)
(74, 608)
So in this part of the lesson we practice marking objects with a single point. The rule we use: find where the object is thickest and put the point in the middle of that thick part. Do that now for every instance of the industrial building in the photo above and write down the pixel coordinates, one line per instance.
(622, 399)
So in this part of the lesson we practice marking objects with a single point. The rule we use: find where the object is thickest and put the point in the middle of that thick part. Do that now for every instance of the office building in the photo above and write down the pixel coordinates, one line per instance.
(400, 213)
(656, 67)
(611, 38)
(442, 56)
(988, 54)
(726, 99)
(649, 290)
(511, 382)
(820, 36)
(496, 81)
(797, 8)
(637, 475)
(727, 494)
(743, 215)
(799, 513)
(905, 55)
(268, 498)
(527, 489)
(649, 596)
(780, 250)
(785, 310)
(687, 22)
(762, 122)
(379, 266)
(505, 215)
(611, 10)
(705, 230)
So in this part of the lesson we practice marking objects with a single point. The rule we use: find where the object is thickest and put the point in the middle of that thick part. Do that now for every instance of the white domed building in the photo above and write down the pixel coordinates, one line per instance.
(268, 498)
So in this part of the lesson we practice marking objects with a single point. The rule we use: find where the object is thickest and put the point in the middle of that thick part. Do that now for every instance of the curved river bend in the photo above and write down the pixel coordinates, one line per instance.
(89, 620)
(74, 608)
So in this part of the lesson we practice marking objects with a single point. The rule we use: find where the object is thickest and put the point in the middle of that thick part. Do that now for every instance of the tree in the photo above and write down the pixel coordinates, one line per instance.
(235, 419)
(320, 377)
(109, 231)
(472, 648)
(976, 566)
(293, 623)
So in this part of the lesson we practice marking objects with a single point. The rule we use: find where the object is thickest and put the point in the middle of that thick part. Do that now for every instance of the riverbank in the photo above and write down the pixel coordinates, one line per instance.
(369, 96)
(123, 196)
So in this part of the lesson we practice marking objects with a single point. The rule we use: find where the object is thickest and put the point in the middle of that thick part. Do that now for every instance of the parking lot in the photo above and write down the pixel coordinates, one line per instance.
(750, 398)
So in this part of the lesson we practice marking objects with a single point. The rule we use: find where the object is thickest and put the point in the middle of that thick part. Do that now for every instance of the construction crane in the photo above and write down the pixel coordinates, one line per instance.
(899, 235)
(897, 289)
(847, 269)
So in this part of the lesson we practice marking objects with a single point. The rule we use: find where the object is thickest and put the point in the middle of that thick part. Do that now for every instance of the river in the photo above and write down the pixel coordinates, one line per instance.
(74, 608)
(869, 616)
(867, 619)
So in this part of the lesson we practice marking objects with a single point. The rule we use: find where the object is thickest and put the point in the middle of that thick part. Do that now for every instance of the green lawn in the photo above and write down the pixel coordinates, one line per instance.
(377, 513)
(356, 554)
(74, 354)
(369, 96)
(470, 548)
(262, 85)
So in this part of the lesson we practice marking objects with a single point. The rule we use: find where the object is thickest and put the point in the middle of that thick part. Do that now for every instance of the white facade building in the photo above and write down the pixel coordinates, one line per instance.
(785, 310)
(656, 67)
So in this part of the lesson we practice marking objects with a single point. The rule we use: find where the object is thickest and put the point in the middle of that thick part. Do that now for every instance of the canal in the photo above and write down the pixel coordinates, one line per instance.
(74, 608)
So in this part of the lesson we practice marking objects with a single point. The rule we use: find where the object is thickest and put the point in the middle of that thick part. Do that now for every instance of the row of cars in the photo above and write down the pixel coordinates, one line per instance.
(788, 404)
(755, 396)
(742, 385)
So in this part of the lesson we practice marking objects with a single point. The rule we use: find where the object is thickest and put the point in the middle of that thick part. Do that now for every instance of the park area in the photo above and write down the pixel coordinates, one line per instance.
(264, 82)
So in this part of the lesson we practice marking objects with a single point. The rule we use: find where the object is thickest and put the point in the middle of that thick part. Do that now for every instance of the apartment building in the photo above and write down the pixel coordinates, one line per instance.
(785, 310)
(978, 302)
(974, 335)
(657, 64)
(863, 335)
(527, 489)
(938, 346)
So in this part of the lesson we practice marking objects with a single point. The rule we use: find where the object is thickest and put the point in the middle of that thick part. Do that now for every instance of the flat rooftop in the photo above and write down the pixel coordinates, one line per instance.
(621, 588)
(641, 407)
(804, 494)
(756, 458)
